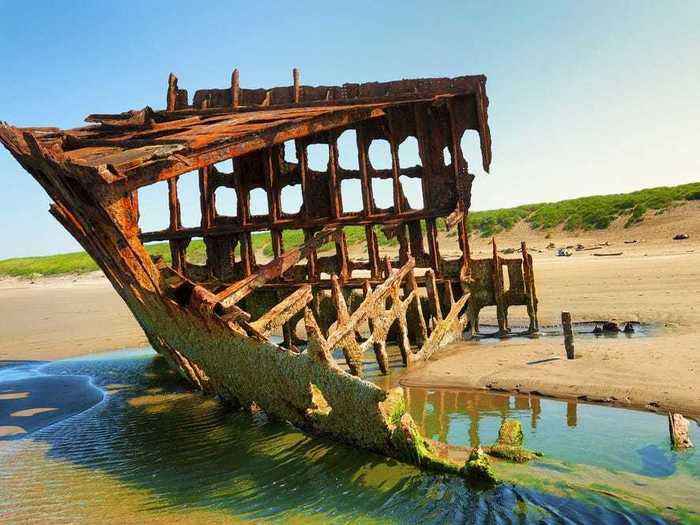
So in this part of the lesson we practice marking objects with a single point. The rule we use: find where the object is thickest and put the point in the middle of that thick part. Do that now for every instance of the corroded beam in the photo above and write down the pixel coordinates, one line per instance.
(275, 268)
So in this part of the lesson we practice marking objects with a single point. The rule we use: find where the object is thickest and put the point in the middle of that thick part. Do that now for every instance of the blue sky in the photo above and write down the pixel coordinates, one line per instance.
(586, 97)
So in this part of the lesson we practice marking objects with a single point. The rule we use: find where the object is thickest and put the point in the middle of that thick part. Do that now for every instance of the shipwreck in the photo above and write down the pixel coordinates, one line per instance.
(288, 335)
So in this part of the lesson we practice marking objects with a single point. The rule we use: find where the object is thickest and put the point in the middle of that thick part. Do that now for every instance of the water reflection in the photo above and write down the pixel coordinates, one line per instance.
(577, 432)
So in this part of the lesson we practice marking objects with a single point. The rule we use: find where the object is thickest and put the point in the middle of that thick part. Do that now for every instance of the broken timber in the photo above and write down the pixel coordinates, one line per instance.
(213, 321)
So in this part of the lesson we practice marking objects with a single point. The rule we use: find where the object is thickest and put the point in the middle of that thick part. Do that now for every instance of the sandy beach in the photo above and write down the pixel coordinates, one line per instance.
(656, 280)
(65, 316)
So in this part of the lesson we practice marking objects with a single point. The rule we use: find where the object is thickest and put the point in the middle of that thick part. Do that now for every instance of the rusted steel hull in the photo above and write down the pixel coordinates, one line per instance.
(213, 322)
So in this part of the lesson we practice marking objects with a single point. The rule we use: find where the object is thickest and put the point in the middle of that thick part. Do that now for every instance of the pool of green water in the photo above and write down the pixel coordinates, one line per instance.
(117, 438)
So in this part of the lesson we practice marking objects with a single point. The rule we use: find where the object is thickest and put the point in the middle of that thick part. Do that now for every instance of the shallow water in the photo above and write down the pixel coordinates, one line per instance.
(128, 443)
(488, 333)
(577, 433)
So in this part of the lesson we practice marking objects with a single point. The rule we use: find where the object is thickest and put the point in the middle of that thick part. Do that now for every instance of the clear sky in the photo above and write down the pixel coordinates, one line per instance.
(587, 97)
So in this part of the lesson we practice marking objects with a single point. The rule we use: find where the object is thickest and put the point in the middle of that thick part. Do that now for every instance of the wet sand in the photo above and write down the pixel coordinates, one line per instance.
(655, 280)
(37, 401)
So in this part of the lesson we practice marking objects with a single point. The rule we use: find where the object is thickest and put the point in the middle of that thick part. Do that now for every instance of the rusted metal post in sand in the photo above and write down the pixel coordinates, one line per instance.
(568, 334)
(678, 428)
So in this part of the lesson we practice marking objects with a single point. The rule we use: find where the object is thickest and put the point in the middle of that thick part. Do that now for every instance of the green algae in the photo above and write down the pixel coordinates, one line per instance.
(511, 433)
(477, 469)
(410, 446)
(509, 444)
(511, 453)
(397, 412)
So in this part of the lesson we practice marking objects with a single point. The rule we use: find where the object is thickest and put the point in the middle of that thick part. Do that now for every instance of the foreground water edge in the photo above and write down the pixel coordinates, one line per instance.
(124, 440)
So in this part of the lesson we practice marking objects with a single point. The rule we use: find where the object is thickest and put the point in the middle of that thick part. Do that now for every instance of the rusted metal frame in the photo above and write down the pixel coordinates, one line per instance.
(368, 207)
(208, 214)
(529, 279)
(296, 93)
(462, 206)
(497, 276)
(271, 187)
(341, 245)
(395, 175)
(349, 345)
(174, 205)
(245, 242)
(382, 320)
(417, 329)
(431, 233)
(318, 348)
(273, 202)
(378, 296)
(333, 185)
(150, 171)
(277, 242)
(178, 247)
(312, 274)
(446, 330)
(276, 235)
(244, 236)
(482, 103)
(404, 246)
(433, 296)
(425, 152)
(178, 254)
(236, 227)
(454, 218)
(373, 306)
(358, 282)
(415, 235)
(235, 88)
(341, 250)
(172, 93)
(398, 309)
(422, 130)
(412, 172)
(526, 282)
(533, 291)
(407, 90)
(46, 165)
(302, 163)
(379, 347)
(272, 270)
(282, 312)
(446, 295)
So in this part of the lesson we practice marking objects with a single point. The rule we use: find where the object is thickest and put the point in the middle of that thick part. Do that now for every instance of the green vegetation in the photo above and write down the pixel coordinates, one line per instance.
(477, 469)
(585, 213)
(511, 433)
(491, 222)
(397, 412)
(75, 262)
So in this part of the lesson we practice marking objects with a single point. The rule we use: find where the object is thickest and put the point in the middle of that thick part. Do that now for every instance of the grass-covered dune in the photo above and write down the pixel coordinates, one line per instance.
(585, 213)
